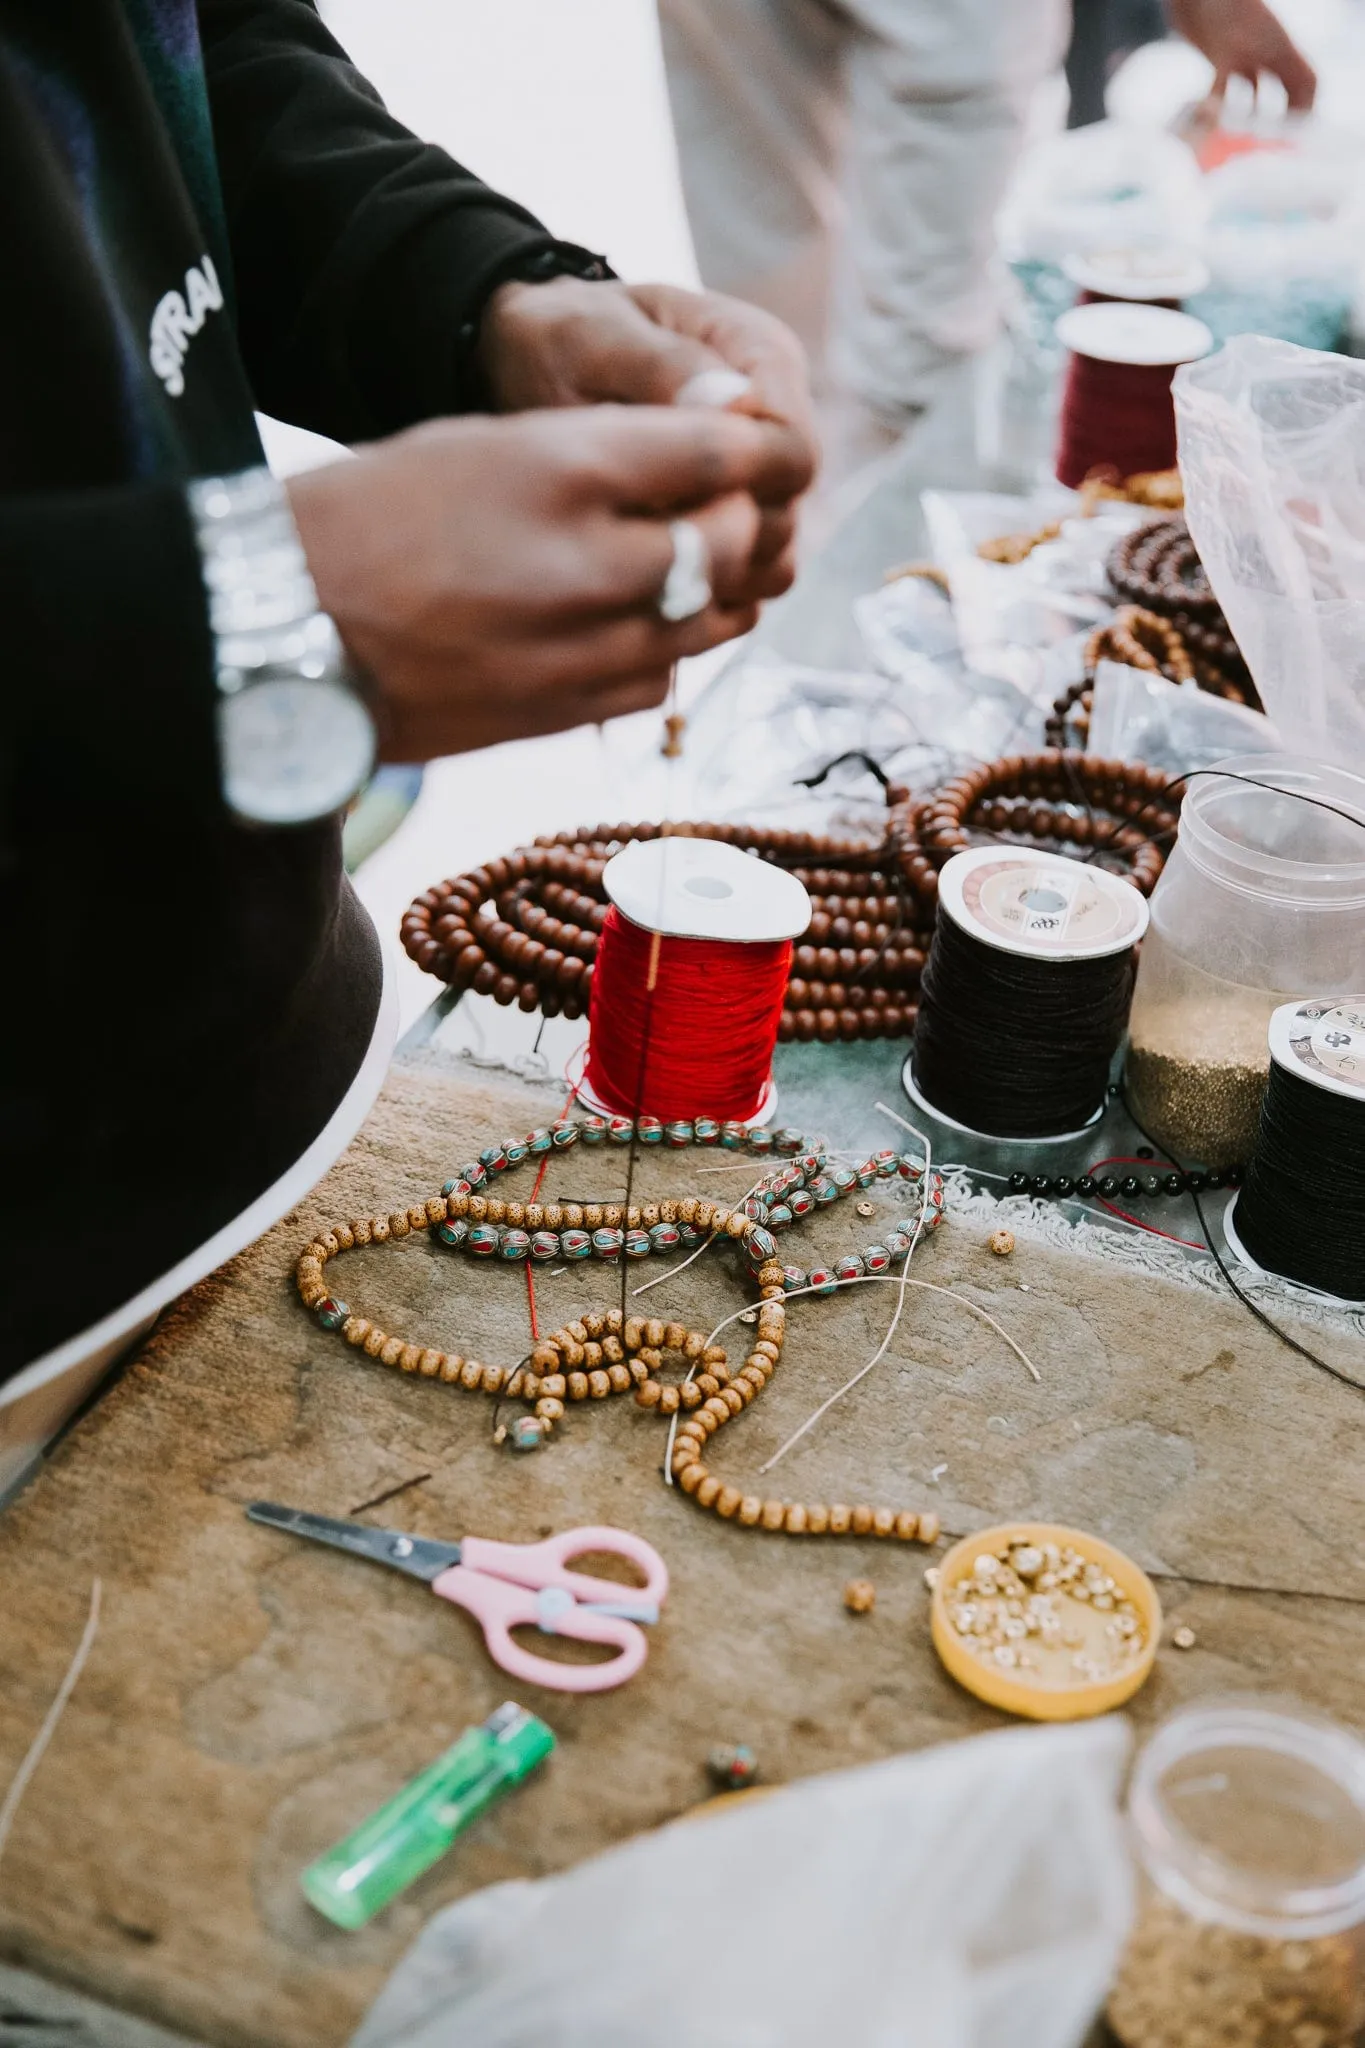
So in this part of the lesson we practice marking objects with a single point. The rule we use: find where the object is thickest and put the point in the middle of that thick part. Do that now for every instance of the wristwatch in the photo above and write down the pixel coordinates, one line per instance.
(295, 737)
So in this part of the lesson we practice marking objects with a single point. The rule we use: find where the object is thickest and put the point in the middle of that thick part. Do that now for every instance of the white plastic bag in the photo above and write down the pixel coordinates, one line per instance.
(1136, 716)
(972, 1896)
(1272, 447)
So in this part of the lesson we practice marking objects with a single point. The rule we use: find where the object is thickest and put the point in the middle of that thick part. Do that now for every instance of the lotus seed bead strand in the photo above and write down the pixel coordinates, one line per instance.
(756, 1511)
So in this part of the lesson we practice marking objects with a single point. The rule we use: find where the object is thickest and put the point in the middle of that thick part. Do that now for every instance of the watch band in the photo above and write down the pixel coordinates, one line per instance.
(263, 607)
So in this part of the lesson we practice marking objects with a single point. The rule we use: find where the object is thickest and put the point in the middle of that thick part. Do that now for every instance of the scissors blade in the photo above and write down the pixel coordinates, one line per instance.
(415, 1555)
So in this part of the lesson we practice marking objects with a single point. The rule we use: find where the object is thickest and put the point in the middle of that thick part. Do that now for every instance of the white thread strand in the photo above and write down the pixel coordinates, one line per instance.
(705, 1245)
(881, 1351)
(20, 1782)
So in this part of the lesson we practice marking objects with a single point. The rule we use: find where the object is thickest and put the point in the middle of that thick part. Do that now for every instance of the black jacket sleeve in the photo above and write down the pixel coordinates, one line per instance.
(362, 256)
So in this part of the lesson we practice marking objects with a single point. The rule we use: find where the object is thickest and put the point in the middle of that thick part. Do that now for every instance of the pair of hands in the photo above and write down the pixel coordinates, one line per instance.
(1242, 39)
(500, 576)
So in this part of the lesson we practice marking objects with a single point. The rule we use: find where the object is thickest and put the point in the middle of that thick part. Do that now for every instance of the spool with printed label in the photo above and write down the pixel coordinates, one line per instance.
(1072, 928)
(1299, 1218)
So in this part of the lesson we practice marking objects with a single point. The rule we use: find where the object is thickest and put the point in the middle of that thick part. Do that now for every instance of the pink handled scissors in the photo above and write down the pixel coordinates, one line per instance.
(507, 1585)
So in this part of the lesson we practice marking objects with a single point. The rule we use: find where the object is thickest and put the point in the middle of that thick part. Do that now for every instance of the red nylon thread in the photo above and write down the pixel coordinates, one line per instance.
(712, 1015)
(1116, 414)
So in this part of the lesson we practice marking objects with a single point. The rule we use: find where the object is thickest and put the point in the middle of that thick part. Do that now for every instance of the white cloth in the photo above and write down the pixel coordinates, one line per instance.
(842, 163)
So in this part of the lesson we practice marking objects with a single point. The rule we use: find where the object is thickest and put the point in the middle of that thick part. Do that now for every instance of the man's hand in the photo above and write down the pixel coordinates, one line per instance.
(501, 577)
(1241, 39)
(571, 342)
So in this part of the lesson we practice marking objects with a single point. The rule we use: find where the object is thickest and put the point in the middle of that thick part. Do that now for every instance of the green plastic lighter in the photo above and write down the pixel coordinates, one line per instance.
(356, 1879)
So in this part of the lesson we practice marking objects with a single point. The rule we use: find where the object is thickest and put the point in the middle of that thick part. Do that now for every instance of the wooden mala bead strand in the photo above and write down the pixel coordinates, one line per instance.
(1039, 798)
(756, 1511)
(524, 929)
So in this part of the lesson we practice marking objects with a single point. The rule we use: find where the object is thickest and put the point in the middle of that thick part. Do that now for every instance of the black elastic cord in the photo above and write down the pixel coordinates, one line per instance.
(1323, 1365)
(1012, 1046)
(1301, 1213)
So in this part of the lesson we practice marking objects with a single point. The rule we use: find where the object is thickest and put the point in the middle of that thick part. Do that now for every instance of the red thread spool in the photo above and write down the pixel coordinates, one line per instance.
(1117, 409)
(689, 981)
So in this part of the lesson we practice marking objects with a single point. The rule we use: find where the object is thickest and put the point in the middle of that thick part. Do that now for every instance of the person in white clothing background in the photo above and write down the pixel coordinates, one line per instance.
(843, 161)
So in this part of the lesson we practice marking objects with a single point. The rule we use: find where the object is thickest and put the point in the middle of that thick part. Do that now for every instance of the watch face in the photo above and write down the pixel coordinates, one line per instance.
(293, 749)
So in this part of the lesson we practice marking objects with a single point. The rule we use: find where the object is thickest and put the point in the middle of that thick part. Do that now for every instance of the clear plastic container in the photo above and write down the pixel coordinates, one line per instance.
(1261, 902)
(1248, 1824)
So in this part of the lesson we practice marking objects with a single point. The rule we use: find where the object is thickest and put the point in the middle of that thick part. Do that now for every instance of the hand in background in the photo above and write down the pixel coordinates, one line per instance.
(570, 342)
(1241, 39)
(500, 577)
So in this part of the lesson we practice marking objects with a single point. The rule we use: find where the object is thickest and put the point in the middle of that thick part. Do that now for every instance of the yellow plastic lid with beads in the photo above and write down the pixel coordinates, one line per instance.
(1002, 1688)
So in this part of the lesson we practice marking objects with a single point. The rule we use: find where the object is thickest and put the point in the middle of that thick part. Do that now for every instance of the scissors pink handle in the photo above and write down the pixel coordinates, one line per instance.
(545, 1564)
(508, 1585)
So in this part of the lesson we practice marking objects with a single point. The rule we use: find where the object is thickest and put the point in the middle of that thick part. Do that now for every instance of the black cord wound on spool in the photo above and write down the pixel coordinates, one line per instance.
(1015, 1047)
(1252, 1308)
(1301, 1212)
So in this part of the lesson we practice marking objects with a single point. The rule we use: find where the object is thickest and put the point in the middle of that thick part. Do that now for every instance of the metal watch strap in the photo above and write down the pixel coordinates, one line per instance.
(263, 607)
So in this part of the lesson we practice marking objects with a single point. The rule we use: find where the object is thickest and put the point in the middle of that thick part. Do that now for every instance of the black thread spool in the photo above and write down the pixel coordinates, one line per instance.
(1024, 997)
(1300, 1215)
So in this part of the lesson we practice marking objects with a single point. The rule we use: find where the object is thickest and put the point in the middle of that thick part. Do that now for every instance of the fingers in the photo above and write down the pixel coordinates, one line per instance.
(661, 459)
(1299, 79)
(750, 341)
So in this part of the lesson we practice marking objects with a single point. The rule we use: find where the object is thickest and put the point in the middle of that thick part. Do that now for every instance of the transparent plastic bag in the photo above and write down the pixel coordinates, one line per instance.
(1136, 716)
(1272, 447)
(972, 1896)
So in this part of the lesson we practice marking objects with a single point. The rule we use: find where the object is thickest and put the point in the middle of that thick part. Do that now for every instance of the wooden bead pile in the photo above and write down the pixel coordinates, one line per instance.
(524, 928)
(1158, 568)
(1114, 809)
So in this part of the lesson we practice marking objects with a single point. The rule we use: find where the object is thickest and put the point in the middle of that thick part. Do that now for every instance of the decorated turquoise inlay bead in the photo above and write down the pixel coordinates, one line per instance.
(514, 1152)
(454, 1232)
(787, 1141)
(844, 1178)
(759, 1246)
(665, 1237)
(732, 1136)
(897, 1241)
(649, 1130)
(456, 1187)
(514, 1244)
(886, 1162)
(779, 1216)
(760, 1143)
(539, 1142)
(607, 1243)
(494, 1158)
(575, 1244)
(544, 1244)
(563, 1134)
(793, 1277)
(821, 1281)
(690, 1235)
(332, 1313)
(620, 1130)
(756, 1209)
(637, 1245)
(801, 1201)
(475, 1174)
(876, 1258)
(678, 1133)
(908, 1168)
(483, 1240)
(809, 1164)
(867, 1174)
(525, 1433)
(850, 1267)
(706, 1130)
(593, 1130)
(824, 1190)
